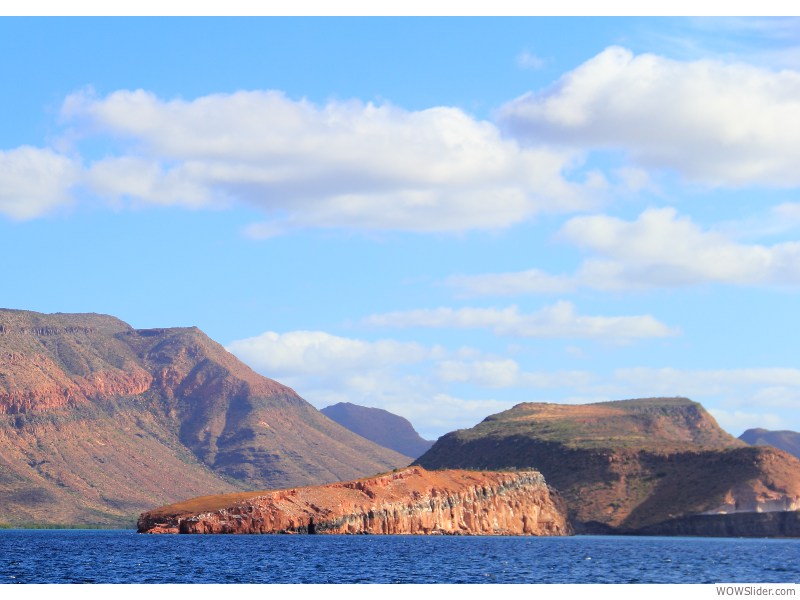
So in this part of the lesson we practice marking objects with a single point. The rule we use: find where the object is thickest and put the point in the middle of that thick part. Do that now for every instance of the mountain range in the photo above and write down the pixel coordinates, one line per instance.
(380, 426)
(99, 421)
(788, 441)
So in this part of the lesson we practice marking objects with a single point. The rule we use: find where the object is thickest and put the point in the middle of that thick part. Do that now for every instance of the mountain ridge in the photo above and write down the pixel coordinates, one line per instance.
(99, 420)
(788, 441)
(380, 426)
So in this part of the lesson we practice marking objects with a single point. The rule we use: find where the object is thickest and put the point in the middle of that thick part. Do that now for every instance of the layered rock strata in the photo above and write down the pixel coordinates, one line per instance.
(410, 501)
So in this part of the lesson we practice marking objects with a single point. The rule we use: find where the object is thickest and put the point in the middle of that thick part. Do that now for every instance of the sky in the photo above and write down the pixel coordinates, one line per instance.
(441, 217)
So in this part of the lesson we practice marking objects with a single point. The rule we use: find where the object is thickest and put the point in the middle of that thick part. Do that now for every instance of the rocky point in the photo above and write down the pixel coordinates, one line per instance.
(408, 501)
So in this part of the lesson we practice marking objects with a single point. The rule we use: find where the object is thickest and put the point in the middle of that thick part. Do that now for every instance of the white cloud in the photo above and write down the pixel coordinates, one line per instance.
(321, 354)
(713, 382)
(532, 281)
(528, 60)
(145, 179)
(719, 123)
(342, 164)
(557, 321)
(658, 249)
(443, 413)
(34, 181)
(662, 249)
(400, 377)
(737, 422)
(431, 386)
(506, 373)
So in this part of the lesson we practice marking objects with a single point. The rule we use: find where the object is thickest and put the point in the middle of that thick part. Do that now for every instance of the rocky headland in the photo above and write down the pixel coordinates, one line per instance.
(634, 466)
(408, 501)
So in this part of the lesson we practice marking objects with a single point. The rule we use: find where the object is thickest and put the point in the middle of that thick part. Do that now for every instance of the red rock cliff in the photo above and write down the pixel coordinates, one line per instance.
(411, 501)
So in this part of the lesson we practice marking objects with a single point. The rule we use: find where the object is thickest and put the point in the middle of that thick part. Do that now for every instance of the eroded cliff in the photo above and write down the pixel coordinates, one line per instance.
(409, 501)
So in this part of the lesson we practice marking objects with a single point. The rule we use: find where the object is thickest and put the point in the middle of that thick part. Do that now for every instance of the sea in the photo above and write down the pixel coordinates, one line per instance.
(123, 556)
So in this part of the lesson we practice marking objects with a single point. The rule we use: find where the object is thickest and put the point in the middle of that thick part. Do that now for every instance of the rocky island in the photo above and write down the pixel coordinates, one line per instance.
(407, 501)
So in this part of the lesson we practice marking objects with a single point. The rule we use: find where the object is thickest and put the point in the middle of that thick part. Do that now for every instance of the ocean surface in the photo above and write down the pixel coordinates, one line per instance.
(92, 556)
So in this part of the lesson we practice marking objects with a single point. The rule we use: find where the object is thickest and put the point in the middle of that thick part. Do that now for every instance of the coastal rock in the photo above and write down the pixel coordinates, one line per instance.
(409, 501)
(627, 466)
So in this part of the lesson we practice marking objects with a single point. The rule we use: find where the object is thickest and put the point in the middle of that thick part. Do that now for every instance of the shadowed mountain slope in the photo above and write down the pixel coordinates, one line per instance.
(99, 421)
(380, 426)
(788, 441)
(630, 464)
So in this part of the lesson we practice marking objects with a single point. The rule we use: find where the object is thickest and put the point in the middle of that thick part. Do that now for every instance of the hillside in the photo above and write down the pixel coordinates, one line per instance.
(99, 421)
(380, 426)
(626, 465)
(788, 441)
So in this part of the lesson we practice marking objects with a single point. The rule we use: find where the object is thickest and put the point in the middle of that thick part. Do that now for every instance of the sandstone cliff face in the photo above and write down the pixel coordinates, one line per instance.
(410, 501)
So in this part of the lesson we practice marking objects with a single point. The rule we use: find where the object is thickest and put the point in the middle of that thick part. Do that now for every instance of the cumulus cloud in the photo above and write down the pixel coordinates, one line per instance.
(714, 122)
(34, 181)
(557, 321)
(506, 373)
(401, 377)
(658, 249)
(342, 164)
(737, 422)
(320, 353)
(440, 390)
(662, 249)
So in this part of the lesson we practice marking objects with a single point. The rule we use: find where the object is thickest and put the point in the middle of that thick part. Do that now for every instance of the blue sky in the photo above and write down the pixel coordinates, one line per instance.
(437, 216)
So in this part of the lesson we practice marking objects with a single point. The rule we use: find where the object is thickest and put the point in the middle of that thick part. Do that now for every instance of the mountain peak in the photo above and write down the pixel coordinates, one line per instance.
(380, 426)
(93, 409)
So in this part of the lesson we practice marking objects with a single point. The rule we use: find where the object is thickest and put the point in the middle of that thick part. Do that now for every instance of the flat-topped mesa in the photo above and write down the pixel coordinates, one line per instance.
(642, 465)
(100, 421)
(409, 501)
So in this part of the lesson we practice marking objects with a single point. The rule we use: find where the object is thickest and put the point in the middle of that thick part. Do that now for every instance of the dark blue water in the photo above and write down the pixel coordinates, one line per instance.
(72, 556)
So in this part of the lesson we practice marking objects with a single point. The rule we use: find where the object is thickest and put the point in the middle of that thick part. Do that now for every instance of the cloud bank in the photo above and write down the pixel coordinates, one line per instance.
(560, 320)
(343, 164)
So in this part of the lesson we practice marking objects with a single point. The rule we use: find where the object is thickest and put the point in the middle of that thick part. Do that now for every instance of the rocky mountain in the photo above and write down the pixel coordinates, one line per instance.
(380, 426)
(788, 441)
(408, 501)
(99, 421)
(630, 465)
